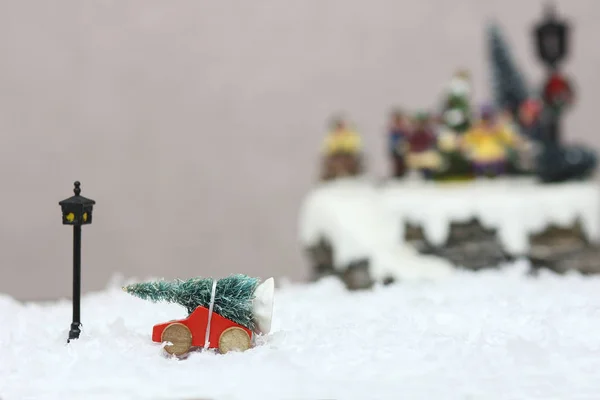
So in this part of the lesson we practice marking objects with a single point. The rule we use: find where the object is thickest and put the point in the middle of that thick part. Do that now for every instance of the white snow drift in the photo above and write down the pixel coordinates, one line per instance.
(362, 220)
(517, 208)
(352, 215)
(489, 335)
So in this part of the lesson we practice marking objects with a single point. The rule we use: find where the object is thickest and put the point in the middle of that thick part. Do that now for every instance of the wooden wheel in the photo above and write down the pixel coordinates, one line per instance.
(180, 337)
(233, 339)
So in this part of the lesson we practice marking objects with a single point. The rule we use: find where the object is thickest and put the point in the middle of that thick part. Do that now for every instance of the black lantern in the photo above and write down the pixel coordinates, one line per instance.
(76, 211)
(552, 39)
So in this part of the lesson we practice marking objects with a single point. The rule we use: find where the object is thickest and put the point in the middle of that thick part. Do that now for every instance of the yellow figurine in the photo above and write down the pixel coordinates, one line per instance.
(341, 139)
(486, 144)
(341, 150)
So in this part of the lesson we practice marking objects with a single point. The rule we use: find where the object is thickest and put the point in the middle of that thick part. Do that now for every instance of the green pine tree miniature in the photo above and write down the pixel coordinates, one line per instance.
(508, 84)
(233, 295)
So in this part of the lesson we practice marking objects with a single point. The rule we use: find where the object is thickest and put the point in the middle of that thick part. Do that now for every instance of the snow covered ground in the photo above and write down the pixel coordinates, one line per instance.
(487, 335)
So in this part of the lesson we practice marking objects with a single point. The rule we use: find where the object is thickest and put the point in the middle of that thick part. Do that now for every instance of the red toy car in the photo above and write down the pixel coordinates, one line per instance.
(190, 332)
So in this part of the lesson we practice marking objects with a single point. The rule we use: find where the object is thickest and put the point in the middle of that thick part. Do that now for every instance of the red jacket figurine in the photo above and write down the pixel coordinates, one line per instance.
(423, 155)
(422, 138)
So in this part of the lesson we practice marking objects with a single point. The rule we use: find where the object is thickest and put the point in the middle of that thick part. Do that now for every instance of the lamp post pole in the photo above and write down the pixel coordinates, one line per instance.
(75, 330)
(552, 42)
(76, 211)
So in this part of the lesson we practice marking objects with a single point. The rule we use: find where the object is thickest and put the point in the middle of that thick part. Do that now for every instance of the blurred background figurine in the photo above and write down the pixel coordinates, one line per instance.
(342, 149)
(399, 132)
(457, 107)
(519, 151)
(528, 124)
(422, 153)
(486, 143)
(529, 120)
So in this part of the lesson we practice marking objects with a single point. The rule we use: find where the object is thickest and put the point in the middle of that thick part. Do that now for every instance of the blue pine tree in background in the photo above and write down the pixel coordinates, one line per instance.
(508, 85)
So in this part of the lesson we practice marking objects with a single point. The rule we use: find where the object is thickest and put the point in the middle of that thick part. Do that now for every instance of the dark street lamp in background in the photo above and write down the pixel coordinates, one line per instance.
(76, 211)
(552, 37)
(552, 44)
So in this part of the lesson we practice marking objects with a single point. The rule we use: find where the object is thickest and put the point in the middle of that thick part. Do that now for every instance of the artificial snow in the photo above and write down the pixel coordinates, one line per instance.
(362, 219)
(486, 335)
(516, 208)
(352, 215)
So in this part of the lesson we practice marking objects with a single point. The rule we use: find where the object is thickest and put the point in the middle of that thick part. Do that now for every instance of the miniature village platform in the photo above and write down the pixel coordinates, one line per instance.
(346, 225)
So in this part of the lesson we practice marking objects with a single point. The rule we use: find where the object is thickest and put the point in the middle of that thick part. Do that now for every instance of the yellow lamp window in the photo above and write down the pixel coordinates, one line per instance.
(84, 217)
(70, 217)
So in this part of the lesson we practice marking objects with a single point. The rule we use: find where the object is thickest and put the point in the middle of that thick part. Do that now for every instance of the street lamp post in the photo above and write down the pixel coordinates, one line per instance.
(551, 37)
(76, 211)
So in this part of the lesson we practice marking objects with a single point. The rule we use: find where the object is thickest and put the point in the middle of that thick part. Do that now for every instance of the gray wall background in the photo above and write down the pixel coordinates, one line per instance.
(195, 125)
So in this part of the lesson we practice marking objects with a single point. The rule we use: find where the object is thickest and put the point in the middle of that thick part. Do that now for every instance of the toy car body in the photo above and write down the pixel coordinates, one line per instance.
(185, 334)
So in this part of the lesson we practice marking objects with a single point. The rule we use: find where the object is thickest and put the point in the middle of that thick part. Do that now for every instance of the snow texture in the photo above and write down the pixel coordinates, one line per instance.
(489, 335)
(517, 208)
(364, 220)
(352, 215)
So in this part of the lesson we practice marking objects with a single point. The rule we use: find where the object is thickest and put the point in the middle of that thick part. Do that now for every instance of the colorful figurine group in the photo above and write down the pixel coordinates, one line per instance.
(457, 144)
(451, 145)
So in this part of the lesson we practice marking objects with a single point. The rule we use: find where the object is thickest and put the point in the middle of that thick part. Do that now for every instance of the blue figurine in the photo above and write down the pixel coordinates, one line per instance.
(399, 131)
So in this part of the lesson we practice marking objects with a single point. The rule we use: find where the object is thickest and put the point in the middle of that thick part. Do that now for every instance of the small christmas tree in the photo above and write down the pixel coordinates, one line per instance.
(508, 85)
(457, 103)
(233, 300)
